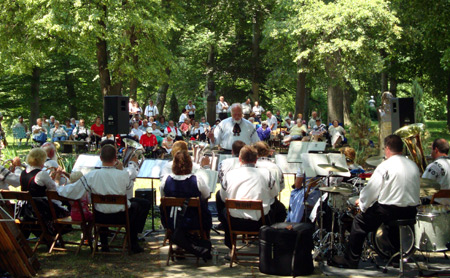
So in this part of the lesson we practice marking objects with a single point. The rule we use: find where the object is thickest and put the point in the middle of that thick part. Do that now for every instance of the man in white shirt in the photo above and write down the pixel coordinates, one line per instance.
(393, 192)
(258, 110)
(232, 129)
(247, 108)
(172, 128)
(190, 108)
(151, 110)
(39, 132)
(222, 108)
(439, 169)
(247, 183)
(105, 181)
(272, 121)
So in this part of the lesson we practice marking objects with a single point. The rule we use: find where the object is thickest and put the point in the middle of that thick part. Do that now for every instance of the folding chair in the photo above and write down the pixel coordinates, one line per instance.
(246, 235)
(167, 203)
(60, 223)
(30, 226)
(18, 133)
(112, 200)
(443, 193)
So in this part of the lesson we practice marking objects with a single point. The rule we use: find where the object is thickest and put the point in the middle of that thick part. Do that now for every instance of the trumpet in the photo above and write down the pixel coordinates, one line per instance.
(52, 170)
(133, 149)
(410, 135)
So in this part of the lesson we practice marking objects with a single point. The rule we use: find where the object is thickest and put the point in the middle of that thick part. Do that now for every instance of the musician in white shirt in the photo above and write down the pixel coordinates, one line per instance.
(151, 110)
(191, 109)
(247, 183)
(393, 192)
(232, 129)
(105, 181)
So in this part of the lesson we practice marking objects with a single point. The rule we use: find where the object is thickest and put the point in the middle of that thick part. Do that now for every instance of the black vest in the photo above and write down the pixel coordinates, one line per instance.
(27, 183)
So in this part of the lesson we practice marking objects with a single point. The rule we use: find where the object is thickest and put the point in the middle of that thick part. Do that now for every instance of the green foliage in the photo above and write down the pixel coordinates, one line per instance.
(417, 93)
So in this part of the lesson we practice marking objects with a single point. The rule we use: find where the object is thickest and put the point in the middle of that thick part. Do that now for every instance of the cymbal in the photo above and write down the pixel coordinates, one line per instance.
(336, 189)
(374, 161)
(332, 168)
(429, 183)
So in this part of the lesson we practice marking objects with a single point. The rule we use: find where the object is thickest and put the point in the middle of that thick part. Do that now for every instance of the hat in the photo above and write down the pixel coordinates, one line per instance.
(149, 130)
(171, 135)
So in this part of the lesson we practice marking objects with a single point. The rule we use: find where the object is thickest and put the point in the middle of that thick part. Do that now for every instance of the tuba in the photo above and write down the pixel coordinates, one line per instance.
(410, 135)
(133, 148)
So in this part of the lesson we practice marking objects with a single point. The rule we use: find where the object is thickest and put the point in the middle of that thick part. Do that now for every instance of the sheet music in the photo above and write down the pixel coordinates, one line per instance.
(210, 177)
(297, 148)
(287, 168)
(87, 162)
(151, 168)
(221, 157)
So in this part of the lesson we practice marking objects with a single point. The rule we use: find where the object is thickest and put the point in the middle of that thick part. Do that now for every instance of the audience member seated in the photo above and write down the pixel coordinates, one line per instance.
(297, 132)
(135, 132)
(288, 123)
(319, 131)
(73, 123)
(247, 183)
(145, 125)
(51, 122)
(97, 131)
(185, 127)
(336, 133)
(204, 124)
(162, 124)
(183, 116)
(264, 131)
(167, 143)
(171, 128)
(182, 183)
(216, 123)
(150, 144)
(68, 128)
(25, 133)
(37, 182)
(158, 133)
(80, 132)
(58, 133)
(39, 132)
(198, 133)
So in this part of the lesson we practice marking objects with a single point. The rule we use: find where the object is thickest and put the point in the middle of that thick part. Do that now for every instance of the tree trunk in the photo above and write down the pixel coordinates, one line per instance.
(35, 85)
(300, 97)
(393, 87)
(162, 94)
(256, 63)
(102, 59)
(384, 82)
(347, 102)
(134, 57)
(448, 102)
(335, 103)
(70, 89)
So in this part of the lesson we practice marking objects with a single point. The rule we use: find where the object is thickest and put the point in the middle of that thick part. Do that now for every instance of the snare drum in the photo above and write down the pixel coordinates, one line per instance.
(432, 228)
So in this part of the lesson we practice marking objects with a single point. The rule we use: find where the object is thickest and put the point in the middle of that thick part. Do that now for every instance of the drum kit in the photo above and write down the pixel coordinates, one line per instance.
(431, 233)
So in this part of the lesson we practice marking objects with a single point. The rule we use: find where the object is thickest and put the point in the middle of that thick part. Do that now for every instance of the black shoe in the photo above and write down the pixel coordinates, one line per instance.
(219, 227)
(341, 262)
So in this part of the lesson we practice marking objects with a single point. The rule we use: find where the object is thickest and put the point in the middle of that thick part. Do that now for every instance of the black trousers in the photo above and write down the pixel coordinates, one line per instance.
(369, 221)
(223, 115)
(137, 214)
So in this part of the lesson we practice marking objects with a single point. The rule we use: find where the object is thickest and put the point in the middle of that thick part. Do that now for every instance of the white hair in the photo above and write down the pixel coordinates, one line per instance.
(235, 105)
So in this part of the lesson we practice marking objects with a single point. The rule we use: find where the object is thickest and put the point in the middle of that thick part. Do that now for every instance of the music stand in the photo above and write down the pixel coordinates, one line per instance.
(151, 169)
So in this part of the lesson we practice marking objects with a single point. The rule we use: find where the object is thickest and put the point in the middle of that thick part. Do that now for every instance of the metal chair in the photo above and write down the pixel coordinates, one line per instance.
(61, 223)
(235, 232)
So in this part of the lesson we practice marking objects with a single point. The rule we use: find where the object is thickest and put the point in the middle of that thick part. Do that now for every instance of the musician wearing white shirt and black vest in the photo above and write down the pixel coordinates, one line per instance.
(392, 193)
(151, 110)
(233, 129)
(247, 183)
(439, 169)
(105, 181)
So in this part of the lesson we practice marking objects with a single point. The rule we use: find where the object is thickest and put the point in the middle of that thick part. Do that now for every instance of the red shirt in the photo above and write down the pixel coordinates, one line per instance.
(98, 129)
(148, 141)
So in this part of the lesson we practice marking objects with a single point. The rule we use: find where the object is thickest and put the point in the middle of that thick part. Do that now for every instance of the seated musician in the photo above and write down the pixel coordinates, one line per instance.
(439, 169)
(167, 143)
(39, 132)
(37, 182)
(337, 133)
(51, 160)
(10, 176)
(392, 193)
(247, 183)
(150, 144)
(58, 133)
(182, 183)
(179, 146)
(110, 179)
(277, 209)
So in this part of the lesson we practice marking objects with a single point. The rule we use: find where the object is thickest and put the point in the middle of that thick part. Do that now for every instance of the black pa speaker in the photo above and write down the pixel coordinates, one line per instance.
(147, 194)
(402, 110)
(115, 115)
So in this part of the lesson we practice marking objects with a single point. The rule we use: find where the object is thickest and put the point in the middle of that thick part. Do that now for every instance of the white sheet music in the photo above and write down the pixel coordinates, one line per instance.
(297, 148)
(287, 168)
(87, 161)
(151, 168)
(210, 177)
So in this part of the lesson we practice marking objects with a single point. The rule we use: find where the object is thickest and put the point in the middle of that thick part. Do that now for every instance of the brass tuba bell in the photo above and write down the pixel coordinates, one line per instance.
(410, 135)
